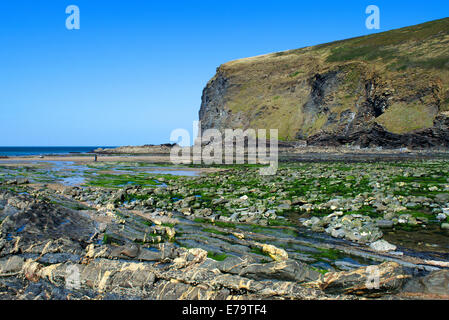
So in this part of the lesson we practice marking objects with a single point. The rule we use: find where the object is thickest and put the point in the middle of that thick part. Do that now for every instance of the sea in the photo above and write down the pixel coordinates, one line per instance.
(33, 151)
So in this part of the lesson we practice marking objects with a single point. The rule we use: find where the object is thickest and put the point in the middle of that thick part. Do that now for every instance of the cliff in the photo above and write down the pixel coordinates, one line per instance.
(387, 89)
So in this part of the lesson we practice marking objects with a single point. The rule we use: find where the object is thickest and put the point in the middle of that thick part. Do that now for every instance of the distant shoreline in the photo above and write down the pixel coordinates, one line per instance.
(12, 151)
(161, 154)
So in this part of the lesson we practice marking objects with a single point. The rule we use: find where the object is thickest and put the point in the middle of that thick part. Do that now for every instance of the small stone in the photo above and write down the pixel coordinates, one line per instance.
(239, 235)
(382, 246)
(284, 206)
(445, 226)
(275, 253)
(102, 227)
(170, 232)
(311, 222)
(338, 233)
(186, 211)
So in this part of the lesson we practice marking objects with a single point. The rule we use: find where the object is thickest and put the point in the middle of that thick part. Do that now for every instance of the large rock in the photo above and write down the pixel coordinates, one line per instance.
(175, 280)
(289, 270)
(42, 227)
(387, 277)
(275, 253)
(434, 285)
(382, 246)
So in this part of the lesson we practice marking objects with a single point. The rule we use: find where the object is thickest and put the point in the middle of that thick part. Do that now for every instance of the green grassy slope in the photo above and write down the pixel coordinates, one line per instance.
(336, 87)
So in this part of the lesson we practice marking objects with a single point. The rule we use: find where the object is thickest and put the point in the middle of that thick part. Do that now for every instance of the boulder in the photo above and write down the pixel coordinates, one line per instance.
(288, 270)
(274, 252)
(382, 246)
(376, 280)
(434, 285)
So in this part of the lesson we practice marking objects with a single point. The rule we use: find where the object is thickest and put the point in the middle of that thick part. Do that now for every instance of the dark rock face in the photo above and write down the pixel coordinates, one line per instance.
(377, 136)
(212, 100)
(376, 102)
(322, 85)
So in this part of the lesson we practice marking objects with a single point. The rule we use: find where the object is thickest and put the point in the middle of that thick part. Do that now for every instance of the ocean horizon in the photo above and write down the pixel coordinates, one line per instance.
(38, 150)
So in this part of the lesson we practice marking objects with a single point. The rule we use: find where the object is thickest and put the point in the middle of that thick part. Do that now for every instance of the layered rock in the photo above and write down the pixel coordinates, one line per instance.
(48, 251)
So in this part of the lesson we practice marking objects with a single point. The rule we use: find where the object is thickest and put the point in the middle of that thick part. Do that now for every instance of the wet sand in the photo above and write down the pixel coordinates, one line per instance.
(33, 161)
(89, 158)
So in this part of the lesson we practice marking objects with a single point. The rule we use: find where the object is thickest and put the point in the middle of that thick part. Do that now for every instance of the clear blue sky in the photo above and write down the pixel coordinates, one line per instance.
(136, 69)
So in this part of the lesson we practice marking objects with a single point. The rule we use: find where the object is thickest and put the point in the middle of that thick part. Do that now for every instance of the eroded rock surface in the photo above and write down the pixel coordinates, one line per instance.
(55, 254)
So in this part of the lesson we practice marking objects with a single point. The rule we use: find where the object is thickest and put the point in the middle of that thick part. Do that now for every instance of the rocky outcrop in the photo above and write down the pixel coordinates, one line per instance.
(432, 286)
(373, 280)
(145, 149)
(51, 252)
(380, 90)
(376, 135)
(204, 238)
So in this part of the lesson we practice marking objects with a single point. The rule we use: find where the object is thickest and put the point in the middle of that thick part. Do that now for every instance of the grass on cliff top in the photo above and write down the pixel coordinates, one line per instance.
(417, 32)
(387, 46)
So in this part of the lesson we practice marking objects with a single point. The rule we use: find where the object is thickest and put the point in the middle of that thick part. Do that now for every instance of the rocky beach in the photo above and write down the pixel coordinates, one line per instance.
(133, 229)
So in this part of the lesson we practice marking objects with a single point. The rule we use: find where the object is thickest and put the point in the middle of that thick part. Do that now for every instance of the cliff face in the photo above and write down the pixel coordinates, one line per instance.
(389, 89)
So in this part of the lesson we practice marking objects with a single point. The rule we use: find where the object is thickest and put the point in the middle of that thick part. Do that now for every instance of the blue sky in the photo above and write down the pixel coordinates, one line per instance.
(136, 69)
